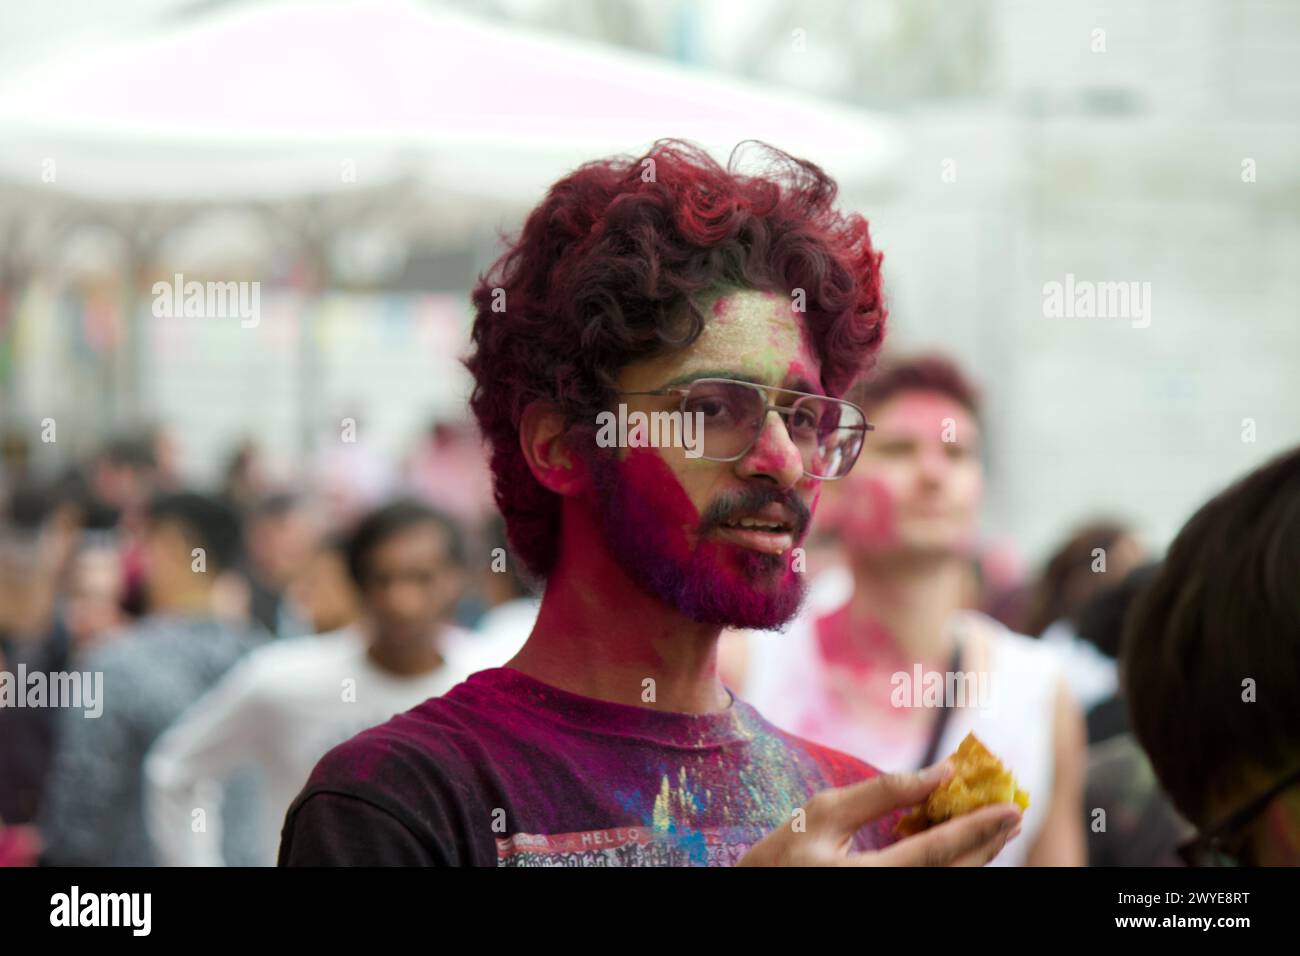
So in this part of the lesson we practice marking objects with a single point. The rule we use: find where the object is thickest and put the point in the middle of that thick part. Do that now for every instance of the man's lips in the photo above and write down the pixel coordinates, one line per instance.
(768, 542)
(771, 529)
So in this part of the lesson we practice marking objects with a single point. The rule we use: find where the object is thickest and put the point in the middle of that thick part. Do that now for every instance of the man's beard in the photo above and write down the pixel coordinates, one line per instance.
(711, 582)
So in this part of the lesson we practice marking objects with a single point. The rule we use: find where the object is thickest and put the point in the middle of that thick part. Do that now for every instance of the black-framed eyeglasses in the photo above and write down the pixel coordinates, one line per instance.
(1222, 844)
(827, 431)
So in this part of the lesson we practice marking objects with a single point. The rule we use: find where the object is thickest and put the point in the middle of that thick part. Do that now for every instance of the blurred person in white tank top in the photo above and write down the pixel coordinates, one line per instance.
(844, 673)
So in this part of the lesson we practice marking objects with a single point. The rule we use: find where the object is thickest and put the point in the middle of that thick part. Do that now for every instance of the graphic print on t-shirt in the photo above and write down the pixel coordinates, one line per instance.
(628, 846)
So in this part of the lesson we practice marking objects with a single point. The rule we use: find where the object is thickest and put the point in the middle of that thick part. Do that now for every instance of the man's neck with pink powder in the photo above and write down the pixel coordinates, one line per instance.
(910, 600)
(601, 635)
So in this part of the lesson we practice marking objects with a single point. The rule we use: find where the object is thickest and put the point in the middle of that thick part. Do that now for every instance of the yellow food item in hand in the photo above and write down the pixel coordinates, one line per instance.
(980, 780)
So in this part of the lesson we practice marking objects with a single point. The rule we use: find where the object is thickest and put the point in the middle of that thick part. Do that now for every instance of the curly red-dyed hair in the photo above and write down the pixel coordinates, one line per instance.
(613, 266)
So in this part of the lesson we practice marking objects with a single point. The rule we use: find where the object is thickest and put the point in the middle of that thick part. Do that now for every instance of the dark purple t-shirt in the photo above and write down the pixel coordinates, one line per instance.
(504, 770)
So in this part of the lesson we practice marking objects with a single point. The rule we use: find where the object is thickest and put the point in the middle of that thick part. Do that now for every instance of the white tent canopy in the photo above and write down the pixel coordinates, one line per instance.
(274, 100)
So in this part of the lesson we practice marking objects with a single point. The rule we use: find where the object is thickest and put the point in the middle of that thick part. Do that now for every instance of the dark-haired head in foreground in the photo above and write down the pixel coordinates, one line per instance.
(1211, 668)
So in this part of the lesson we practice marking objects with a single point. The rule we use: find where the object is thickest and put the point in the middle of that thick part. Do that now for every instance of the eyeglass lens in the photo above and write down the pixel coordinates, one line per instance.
(827, 432)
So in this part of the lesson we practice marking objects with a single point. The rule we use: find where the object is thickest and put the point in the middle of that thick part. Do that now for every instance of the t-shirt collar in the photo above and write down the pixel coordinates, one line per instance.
(605, 717)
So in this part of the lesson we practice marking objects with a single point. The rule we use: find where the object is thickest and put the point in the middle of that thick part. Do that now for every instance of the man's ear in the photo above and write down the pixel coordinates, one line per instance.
(545, 441)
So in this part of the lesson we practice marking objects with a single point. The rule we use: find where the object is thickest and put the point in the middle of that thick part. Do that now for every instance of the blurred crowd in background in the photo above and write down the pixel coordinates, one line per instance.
(103, 556)
(107, 551)
(317, 455)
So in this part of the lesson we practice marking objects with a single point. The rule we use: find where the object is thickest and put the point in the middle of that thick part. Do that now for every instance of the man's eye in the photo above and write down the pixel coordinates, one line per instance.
(804, 420)
(712, 409)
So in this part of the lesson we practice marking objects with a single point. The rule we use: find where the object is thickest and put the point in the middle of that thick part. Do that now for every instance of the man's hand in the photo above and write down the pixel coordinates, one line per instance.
(833, 816)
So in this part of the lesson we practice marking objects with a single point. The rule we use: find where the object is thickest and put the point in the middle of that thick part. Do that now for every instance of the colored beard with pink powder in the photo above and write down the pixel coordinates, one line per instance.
(658, 536)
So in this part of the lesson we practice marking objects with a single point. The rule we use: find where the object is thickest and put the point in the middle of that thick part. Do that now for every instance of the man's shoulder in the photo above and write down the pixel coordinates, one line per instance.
(181, 642)
(838, 768)
(129, 666)
(112, 653)
(841, 769)
(288, 659)
(405, 782)
(408, 754)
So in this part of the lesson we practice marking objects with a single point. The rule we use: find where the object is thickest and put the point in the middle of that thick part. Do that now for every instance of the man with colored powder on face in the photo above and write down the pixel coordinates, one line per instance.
(666, 283)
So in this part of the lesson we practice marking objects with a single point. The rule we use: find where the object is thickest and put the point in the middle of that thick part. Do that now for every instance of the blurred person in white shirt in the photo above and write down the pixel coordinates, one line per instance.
(284, 706)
